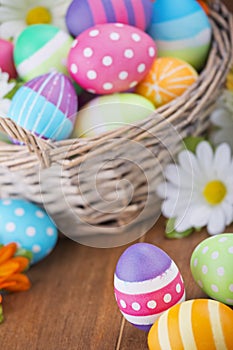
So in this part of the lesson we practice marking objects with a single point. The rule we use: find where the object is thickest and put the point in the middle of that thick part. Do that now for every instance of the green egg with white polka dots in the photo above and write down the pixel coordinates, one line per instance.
(212, 267)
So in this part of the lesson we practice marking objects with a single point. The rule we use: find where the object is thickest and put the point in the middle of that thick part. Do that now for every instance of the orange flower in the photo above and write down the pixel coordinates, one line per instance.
(11, 278)
(1, 312)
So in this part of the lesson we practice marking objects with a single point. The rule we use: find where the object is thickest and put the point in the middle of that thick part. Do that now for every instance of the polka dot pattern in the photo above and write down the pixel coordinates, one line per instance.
(213, 272)
(151, 303)
(107, 49)
(29, 226)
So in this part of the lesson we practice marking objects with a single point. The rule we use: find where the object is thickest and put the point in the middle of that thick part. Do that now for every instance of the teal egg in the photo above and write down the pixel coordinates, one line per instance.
(41, 48)
(212, 267)
(181, 29)
(27, 225)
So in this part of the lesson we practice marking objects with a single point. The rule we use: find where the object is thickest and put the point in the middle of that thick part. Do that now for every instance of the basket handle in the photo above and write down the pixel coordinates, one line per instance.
(35, 144)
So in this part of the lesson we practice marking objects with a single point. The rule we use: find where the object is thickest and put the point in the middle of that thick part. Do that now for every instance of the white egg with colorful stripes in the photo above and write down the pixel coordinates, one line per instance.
(147, 282)
(199, 324)
(46, 105)
(41, 48)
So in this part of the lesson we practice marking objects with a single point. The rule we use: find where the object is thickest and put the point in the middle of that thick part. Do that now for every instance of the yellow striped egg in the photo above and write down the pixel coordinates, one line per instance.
(167, 79)
(199, 324)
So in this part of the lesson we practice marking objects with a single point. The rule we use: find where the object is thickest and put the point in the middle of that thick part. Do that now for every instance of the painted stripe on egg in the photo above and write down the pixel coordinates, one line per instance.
(185, 326)
(43, 54)
(172, 324)
(202, 330)
(97, 10)
(120, 11)
(109, 11)
(141, 320)
(130, 10)
(216, 325)
(139, 14)
(147, 286)
(163, 333)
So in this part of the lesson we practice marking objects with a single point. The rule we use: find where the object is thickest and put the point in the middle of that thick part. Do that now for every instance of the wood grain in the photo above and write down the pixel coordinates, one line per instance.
(71, 304)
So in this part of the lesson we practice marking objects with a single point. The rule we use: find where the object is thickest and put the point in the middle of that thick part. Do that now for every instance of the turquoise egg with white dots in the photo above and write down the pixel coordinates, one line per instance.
(212, 267)
(29, 226)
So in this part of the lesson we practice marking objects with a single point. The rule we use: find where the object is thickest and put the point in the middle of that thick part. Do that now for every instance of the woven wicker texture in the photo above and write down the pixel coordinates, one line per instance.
(107, 184)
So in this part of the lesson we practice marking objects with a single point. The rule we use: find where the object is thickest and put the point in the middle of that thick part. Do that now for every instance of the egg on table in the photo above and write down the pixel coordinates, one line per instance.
(212, 267)
(27, 225)
(46, 105)
(83, 14)
(108, 112)
(199, 324)
(6, 58)
(41, 48)
(167, 79)
(111, 57)
(181, 29)
(147, 282)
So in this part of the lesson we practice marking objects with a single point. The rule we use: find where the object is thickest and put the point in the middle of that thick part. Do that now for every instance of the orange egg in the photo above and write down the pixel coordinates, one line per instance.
(167, 79)
(199, 324)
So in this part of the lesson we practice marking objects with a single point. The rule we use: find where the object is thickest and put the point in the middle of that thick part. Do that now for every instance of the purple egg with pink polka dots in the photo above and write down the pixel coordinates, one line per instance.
(110, 58)
(147, 282)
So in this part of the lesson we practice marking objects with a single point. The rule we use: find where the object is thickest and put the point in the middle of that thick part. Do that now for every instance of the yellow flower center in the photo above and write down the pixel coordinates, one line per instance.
(214, 192)
(38, 15)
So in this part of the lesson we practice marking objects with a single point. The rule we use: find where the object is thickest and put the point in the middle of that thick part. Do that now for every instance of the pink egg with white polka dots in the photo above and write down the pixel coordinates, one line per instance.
(111, 57)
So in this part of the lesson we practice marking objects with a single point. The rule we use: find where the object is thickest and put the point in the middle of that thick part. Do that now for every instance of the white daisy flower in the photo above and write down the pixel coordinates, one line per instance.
(222, 118)
(17, 14)
(198, 190)
(5, 88)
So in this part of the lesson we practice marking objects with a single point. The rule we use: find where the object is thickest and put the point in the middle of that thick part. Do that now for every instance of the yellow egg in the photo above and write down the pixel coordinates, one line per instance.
(167, 79)
(200, 324)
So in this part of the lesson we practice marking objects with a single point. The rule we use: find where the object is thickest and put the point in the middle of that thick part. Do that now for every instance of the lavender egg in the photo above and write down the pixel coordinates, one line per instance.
(47, 106)
(147, 282)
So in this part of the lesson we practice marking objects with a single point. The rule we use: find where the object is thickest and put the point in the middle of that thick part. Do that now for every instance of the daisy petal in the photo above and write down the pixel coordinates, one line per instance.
(221, 117)
(205, 155)
(222, 159)
(200, 216)
(183, 221)
(223, 135)
(217, 221)
(11, 29)
(188, 162)
(228, 210)
(176, 175)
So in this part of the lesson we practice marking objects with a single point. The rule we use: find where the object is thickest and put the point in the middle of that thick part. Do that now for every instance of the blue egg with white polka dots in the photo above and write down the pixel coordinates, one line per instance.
(27, 225)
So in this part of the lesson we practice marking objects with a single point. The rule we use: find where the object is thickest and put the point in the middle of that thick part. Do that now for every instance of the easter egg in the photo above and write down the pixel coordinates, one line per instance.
(167, 79)
(83, 14)
(108, 112)
(111, 58)
(212, 267)
(181, 29)
(41, 48)
(6, 58)
(46, 105)
(199, 324)
(27, 225)
(147, 282)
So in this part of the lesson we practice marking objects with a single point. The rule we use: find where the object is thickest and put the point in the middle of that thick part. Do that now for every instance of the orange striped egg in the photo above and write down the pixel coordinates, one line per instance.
(167, 79)
(199, 324)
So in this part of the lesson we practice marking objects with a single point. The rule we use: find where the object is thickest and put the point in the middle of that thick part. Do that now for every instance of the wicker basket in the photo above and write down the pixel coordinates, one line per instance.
(106, 185)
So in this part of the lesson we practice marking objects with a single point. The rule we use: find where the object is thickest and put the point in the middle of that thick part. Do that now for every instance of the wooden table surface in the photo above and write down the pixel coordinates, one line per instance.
(71, 305)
